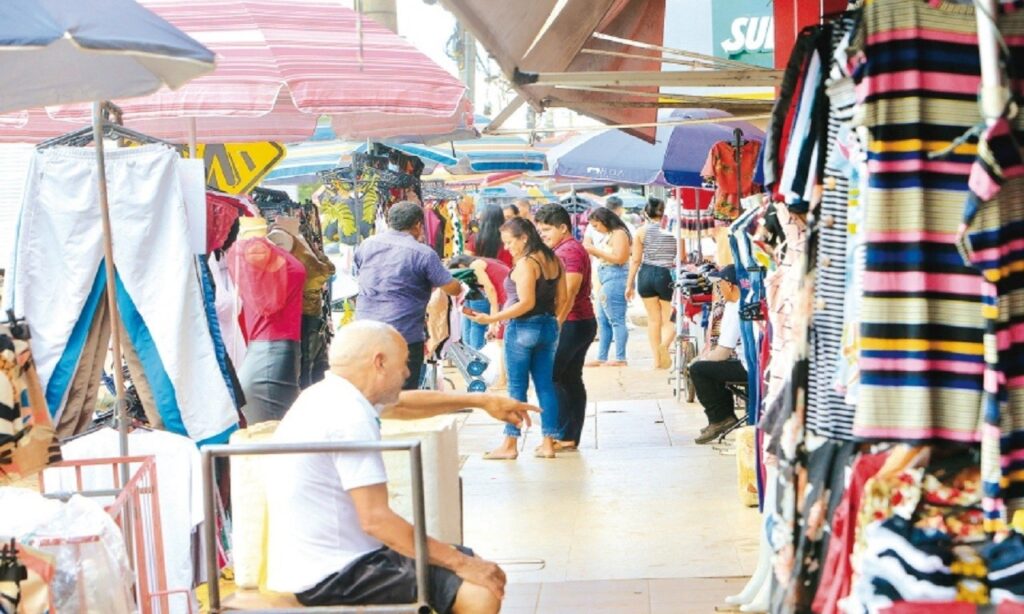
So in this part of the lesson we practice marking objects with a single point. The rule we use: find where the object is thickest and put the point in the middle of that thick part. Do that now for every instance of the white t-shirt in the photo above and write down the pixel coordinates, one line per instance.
(314, 529)
(729, 331)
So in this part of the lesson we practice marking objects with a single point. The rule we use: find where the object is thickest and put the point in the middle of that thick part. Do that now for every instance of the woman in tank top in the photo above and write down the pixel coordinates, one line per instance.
(650, 276)
(535, 293)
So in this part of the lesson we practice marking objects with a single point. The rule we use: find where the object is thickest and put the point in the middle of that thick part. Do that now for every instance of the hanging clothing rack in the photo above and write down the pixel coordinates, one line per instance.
(106, 118)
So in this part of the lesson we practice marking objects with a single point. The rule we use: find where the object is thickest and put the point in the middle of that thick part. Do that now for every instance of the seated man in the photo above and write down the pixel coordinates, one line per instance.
(719, 365)
(333, 539)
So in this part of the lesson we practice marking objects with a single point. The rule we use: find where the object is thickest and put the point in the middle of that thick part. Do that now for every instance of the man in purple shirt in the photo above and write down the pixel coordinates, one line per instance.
(396, 275)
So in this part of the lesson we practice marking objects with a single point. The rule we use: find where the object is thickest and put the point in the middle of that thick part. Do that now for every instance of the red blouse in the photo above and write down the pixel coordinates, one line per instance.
(270, 283)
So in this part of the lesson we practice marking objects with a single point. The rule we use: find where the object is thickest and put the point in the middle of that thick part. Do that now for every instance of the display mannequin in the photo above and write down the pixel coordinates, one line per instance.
(755, 595)
(286, 234)
(270, 282)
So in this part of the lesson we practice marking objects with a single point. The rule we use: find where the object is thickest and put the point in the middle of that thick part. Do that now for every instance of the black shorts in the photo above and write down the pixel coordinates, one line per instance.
(383, 577)
(654, 281)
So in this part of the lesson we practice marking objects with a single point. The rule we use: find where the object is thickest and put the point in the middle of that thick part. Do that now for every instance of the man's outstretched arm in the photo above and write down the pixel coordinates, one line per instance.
(417, 404)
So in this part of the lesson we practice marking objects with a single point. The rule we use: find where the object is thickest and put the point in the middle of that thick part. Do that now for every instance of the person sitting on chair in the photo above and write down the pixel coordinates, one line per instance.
(719, 365)
(332, 537)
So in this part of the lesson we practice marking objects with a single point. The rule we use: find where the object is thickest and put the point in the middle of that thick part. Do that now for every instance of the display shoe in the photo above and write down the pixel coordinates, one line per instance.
(716, 430)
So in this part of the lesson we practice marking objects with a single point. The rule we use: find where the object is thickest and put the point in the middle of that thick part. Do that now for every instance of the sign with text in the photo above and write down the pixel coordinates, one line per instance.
(744, 30)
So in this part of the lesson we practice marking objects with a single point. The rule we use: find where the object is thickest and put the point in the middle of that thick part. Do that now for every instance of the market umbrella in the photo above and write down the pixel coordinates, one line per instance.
(281, 64)
(676, 157)
(630, 200)
(63, 51)
(303, 161)
(495, 153)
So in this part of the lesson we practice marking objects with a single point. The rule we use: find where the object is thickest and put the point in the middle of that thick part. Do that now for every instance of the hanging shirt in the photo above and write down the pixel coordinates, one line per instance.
(721, 164)
(270, 282)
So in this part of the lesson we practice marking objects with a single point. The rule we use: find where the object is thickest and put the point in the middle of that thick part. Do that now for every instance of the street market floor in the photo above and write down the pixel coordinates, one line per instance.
(640, 520)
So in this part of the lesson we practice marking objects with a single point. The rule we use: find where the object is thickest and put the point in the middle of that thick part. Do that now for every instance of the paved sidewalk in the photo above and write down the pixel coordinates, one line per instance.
(641, 519)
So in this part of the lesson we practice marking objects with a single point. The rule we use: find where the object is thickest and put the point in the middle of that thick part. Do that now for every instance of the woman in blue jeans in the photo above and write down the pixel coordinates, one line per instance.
(535, 291)
(612, 253)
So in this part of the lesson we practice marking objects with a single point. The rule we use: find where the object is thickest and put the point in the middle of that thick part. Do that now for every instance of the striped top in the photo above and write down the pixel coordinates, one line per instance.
(659, 246)
(916, 68)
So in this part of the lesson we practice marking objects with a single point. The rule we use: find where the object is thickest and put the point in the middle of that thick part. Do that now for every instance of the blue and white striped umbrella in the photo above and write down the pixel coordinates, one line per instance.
(303, 161)
(56, 52)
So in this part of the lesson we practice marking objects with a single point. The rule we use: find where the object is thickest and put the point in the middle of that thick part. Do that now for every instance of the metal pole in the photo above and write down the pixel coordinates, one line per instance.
(210, 532)
(193, 146)
(419, 515)
(738, 135)
(994, 94)
(108, 265)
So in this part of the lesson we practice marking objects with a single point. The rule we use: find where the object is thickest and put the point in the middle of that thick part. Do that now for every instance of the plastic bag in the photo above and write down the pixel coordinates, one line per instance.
(496, 363)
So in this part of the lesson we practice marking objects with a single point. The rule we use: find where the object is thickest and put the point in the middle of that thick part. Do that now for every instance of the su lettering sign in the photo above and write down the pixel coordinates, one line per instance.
(237, 168)
(744, 31)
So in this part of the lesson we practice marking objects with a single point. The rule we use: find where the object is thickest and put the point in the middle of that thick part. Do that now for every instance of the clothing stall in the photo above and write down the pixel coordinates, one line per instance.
(884, 324)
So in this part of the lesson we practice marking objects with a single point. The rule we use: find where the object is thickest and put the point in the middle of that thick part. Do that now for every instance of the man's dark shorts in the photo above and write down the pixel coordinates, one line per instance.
(384, 577)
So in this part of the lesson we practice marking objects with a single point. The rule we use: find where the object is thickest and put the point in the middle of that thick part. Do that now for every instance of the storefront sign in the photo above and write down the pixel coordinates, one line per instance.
(744, 31)
(237, 168)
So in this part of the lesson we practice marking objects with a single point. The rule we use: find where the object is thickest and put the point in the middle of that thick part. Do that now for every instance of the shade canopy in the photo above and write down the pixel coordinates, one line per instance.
(557, 36)
(281, 64)
(676, 157)
(69, 51)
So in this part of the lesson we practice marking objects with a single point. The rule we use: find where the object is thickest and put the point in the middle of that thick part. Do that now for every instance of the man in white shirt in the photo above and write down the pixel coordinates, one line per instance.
(722, 364)
(333, 539)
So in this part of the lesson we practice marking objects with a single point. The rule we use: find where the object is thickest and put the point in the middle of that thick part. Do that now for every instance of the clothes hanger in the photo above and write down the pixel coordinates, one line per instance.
(80, 138)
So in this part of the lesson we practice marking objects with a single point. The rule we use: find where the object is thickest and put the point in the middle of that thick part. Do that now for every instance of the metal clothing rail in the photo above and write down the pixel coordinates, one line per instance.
(418, 507)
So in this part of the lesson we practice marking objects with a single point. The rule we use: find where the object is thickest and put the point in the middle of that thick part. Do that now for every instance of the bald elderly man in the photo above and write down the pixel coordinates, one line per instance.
(333, 539)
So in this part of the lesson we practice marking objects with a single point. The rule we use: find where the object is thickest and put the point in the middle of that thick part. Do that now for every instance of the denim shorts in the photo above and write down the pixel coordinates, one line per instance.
(654, 281)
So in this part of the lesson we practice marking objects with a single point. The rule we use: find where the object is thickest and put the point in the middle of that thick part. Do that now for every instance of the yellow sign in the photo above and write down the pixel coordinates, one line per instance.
(237, 168)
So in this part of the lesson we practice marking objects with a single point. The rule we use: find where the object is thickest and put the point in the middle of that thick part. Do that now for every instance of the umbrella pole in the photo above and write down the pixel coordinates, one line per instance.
(193, 147)
(108, 264)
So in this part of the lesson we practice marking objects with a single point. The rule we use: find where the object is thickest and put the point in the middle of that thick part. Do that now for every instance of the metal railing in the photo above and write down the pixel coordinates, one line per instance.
(419, 513)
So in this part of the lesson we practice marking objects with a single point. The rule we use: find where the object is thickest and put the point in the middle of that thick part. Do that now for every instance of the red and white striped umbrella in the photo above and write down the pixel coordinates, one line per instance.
(280, 65)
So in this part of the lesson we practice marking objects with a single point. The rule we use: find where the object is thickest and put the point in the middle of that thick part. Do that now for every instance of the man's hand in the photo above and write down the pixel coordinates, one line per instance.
(508, 410)
(483, 573)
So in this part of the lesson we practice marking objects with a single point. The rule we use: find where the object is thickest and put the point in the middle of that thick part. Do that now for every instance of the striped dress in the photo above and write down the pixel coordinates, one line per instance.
(916, 68)
(827, 412)
(994, 225)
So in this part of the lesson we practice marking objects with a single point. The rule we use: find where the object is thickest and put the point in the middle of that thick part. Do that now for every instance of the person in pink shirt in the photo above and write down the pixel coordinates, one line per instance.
(577, 319)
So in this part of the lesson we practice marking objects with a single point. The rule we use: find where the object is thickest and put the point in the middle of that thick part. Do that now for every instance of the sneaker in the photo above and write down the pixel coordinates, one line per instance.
(716, 430)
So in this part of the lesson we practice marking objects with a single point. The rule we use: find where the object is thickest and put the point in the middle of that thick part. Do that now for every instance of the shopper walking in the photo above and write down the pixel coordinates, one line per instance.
(650, 276)
(396, 275)
(536, 293)
(579, 326)
(611, 250)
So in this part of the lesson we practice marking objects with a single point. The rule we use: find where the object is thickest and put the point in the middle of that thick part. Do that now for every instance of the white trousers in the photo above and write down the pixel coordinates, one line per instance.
(58, 274)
